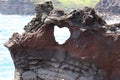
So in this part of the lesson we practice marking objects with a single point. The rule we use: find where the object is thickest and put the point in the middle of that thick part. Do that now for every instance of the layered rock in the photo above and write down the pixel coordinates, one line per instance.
(109, 6)
(91, 53)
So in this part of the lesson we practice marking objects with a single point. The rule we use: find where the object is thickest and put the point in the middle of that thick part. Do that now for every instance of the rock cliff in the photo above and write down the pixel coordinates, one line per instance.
(20, 7)
(91, 53)
(109, 6)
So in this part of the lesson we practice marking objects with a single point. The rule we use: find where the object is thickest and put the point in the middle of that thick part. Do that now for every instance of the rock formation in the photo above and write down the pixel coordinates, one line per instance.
(91, 53)
(108, 6)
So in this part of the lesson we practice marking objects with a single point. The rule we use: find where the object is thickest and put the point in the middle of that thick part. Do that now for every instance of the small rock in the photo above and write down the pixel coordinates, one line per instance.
(29, 75)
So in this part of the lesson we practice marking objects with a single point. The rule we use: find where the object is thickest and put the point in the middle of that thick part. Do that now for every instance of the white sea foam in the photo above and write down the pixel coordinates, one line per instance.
(61, 34)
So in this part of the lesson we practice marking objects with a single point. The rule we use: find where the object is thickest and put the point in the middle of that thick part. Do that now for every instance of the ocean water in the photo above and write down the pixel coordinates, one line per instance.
(14, 23)
(8, 25)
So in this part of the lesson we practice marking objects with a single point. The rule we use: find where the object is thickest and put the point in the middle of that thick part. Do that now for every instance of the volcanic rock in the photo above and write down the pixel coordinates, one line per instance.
(92, 54)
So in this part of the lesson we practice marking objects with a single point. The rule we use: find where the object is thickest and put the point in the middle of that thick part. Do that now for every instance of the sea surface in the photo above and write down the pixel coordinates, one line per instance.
(15, 23)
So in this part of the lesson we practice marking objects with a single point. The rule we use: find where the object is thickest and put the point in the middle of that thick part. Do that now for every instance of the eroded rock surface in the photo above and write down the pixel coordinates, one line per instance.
(91, 53)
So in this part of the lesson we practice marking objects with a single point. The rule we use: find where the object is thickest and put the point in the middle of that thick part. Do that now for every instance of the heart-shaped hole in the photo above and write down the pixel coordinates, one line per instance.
(61, 34)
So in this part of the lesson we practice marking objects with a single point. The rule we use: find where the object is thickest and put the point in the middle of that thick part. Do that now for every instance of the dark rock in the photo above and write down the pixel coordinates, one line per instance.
(29, 75)
(89, 54)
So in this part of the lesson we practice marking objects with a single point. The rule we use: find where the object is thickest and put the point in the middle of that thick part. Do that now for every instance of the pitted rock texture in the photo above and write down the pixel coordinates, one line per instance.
(91, 53)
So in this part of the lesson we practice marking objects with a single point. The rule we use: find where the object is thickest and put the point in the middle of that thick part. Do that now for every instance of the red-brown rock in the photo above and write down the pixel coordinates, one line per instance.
(89, 54)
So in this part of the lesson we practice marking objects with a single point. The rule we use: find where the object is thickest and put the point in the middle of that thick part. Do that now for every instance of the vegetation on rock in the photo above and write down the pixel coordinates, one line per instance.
(25, 7)
(71, 4)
